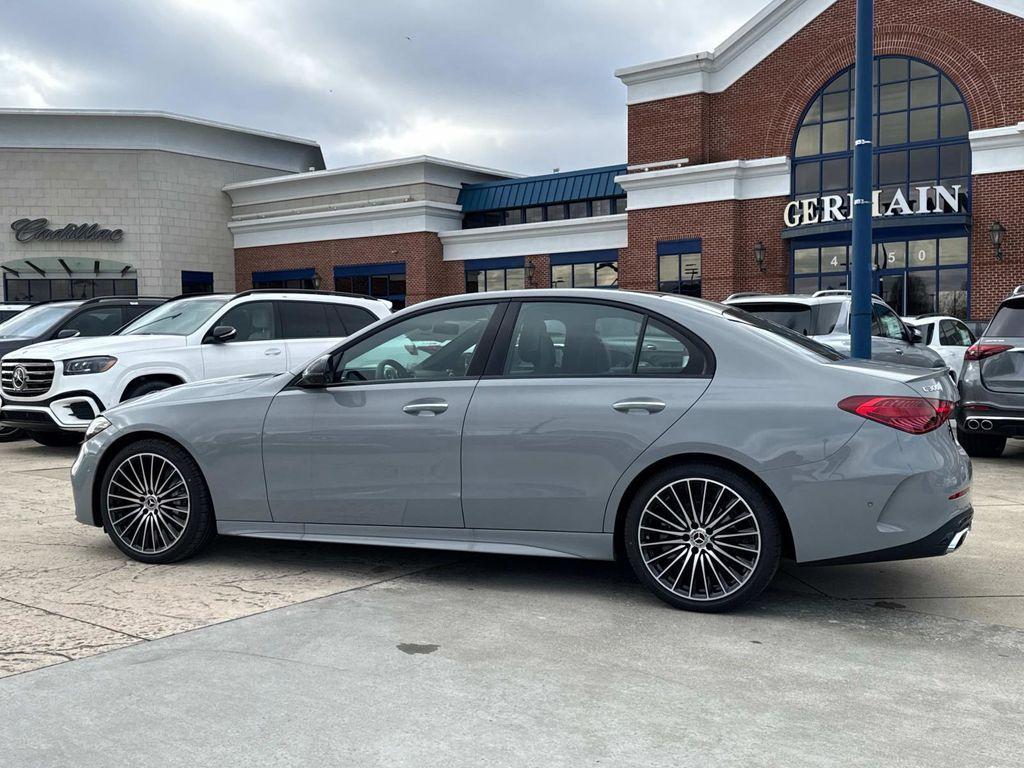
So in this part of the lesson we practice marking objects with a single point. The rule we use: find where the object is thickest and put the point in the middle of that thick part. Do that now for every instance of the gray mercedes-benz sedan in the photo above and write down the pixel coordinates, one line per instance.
(697, 441)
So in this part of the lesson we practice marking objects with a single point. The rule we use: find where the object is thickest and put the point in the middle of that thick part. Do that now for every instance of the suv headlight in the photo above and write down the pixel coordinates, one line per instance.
(82, 365)
(96, 426)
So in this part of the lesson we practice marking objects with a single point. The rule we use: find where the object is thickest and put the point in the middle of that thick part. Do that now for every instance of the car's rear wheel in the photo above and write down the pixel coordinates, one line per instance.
(154, 503)
(56, 439)
(702, 537)
(10, 434)
(981, 446)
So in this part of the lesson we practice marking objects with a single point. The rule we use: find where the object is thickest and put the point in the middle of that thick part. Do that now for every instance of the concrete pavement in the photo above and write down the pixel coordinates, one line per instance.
(399, 657)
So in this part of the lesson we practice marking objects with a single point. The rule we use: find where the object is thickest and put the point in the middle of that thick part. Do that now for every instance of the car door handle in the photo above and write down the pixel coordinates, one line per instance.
(649, 404)
(425, 406)
(899, 350)
(274, 352)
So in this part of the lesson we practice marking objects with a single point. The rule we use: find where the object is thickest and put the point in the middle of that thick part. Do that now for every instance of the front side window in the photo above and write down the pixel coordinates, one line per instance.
(252, 321)
(101, 321)
(886, 324)
(176, 318)
(573, 339)
(432, 346)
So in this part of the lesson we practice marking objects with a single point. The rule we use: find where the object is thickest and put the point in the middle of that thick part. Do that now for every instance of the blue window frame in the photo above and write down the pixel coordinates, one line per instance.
(585, 269)
(679, 267)
(196, 282)
(382, 281)
(286, 278)
(495, 274)
(920, 139)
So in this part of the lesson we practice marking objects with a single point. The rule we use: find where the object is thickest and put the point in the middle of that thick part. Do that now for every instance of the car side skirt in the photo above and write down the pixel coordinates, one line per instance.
(587, 546)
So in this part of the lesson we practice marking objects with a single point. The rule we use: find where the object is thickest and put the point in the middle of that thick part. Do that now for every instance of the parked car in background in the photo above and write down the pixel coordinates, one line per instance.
(101, 316)
(702, 451)
(7, 311)
(992, 384)
(825, 317)
(949, 336)
(65, 384)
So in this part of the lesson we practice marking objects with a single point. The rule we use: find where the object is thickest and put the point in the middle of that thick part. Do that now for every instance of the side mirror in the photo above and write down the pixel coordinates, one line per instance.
(916, 337)
(222, 333)
(68, 333)
(316, 374)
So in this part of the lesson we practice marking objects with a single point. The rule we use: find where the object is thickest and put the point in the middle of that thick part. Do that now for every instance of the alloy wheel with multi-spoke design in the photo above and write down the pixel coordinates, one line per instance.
(148, 503)
(699, 539)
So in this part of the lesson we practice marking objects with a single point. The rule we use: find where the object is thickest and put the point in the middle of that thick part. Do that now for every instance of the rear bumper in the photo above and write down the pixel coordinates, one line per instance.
(1001, 422)
(948, 538)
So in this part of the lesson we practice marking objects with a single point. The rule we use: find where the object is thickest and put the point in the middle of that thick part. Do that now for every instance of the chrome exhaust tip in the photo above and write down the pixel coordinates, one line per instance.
(958, 539)
(972, 423)
(986, 424)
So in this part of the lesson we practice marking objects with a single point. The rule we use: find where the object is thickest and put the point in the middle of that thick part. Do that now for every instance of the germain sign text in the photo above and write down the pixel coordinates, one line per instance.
(830, 208)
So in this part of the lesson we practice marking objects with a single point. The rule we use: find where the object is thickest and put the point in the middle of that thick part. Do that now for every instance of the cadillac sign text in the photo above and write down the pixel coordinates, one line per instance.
(29, 230)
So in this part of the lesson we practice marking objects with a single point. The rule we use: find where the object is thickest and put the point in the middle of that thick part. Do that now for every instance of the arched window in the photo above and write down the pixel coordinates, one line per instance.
(920, 129)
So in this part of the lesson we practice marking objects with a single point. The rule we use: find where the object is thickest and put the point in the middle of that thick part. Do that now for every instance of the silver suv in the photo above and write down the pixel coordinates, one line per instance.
(825, 317)
(992, 383)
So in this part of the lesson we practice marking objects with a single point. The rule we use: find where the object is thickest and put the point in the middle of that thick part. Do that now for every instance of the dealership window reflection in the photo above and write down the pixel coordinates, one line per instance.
(55, 290)
(680, 273)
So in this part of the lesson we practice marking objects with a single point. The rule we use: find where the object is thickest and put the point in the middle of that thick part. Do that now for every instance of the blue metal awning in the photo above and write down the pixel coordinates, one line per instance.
(584, 257)
(586, 184)
(360, 270)
(511, 262)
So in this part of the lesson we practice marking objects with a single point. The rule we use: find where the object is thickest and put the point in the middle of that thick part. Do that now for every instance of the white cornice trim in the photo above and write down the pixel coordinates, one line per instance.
(729, 180)
(714, 71)
(543, 237)
(997, 150)
(372, 221)
(1012, 7)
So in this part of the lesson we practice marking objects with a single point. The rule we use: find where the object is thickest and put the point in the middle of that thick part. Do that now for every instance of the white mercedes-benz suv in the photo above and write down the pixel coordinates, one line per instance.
(54, 389)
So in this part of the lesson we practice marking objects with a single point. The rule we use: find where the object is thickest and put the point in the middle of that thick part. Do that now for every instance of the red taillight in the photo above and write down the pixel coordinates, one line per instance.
(916, 415)
(980, 351)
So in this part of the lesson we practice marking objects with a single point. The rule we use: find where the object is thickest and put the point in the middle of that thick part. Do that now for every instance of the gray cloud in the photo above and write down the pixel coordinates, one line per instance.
(525, 86)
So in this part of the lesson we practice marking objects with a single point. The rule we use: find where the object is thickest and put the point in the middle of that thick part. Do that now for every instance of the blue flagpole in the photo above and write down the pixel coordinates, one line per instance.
(860, 257)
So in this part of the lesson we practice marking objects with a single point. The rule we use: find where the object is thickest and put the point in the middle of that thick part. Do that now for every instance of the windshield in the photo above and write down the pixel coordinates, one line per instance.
(821, 350)
(34, 321)
(1009, 321)
(803, 318)
(176, 318)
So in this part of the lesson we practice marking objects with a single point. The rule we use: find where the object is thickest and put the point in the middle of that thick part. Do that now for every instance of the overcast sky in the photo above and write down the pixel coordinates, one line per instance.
(523, 86)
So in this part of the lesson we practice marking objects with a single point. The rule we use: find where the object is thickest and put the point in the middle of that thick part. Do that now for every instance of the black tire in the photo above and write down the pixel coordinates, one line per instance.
(126, 475)
(10, 434)
(721, 538)
(57, 439)
(981, 446)
(138, 390)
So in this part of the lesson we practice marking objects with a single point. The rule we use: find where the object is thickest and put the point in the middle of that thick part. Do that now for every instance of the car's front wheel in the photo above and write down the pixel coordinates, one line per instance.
(154, 503)
(702, 537)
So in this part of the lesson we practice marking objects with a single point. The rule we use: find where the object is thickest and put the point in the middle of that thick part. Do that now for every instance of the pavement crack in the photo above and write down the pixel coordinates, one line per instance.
(73, 618)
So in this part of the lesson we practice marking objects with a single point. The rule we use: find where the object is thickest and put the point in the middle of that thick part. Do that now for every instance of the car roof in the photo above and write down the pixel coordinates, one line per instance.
(788, 298)
(294, 294)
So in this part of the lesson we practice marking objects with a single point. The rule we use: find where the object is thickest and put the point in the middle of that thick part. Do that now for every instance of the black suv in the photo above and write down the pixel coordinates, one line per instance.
(102, 316)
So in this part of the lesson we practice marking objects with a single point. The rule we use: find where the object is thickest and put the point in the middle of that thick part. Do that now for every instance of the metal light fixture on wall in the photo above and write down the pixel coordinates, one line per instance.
(529, 274)
(316, 281)
(996, 233)
(759, 255)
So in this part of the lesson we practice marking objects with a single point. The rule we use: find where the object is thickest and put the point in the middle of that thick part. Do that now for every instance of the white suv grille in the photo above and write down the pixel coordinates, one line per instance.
(26, 377)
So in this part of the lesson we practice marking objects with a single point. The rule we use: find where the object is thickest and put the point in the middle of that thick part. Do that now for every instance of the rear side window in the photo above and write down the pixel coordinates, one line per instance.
(303, 320)
(352, 319)
(101, 321)
(806, 319)
(665, 353)
(1009, 321)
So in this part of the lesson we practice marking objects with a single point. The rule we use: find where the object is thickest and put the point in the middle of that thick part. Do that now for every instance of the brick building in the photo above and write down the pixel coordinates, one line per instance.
(737, 178)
